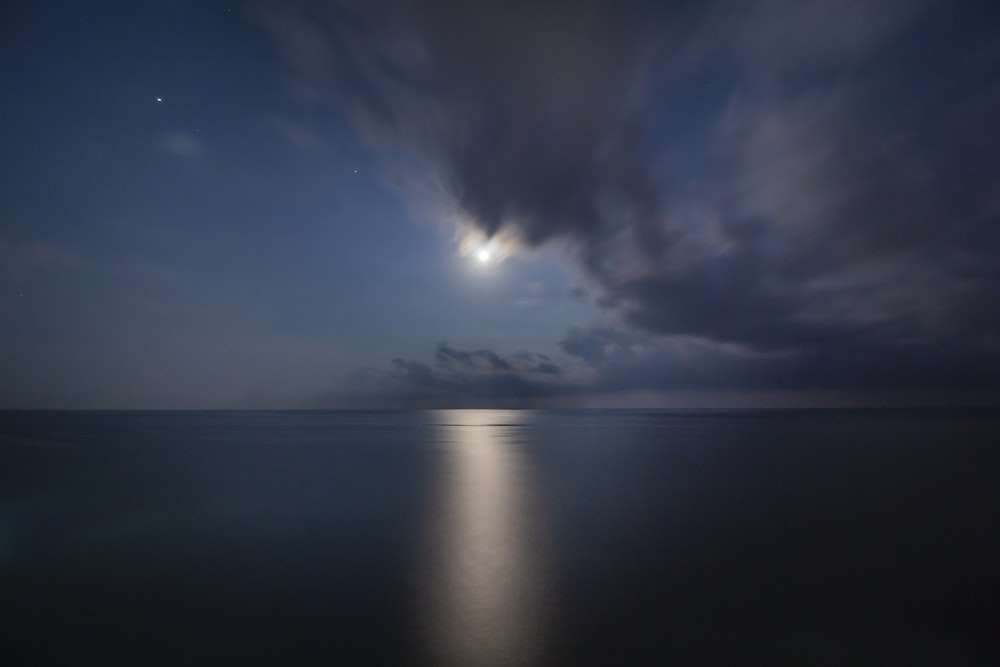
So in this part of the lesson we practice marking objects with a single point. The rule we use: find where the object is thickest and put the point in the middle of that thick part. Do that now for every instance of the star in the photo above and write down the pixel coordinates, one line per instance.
(159, 99)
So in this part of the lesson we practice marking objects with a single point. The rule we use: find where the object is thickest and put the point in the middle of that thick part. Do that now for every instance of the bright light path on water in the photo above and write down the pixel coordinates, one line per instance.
(485, 564)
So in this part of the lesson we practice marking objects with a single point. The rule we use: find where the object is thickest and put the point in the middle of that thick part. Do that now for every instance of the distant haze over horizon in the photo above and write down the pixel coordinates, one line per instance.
(334, 204)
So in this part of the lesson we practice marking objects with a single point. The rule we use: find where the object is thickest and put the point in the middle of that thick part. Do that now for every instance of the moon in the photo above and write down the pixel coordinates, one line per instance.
(483, 255)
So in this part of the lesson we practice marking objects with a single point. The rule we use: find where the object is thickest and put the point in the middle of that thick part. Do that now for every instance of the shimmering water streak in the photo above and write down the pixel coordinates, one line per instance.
(485, 565)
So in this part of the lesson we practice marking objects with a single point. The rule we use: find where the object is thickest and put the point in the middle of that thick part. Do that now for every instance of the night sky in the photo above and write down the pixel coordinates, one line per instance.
(391, 203)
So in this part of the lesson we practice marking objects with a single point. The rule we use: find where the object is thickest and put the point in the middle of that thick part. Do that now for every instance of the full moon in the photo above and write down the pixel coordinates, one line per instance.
(483, 255)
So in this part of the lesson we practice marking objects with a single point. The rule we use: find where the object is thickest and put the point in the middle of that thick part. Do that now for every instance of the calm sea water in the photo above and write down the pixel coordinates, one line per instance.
(500, 538)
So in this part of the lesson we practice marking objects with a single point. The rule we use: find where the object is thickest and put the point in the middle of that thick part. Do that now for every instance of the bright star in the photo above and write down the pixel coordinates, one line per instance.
(159, 99)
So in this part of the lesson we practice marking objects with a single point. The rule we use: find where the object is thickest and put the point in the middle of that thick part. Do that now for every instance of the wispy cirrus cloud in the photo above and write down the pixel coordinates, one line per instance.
(298, 135)
(20, 259)
(181, 144)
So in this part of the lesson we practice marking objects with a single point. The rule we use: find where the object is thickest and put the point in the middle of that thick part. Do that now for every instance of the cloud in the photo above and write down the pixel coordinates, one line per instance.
(595, 345)
(447, 354)
(605, 362)
(628, 361)
(483, 376)
(780, 35)
(299, 135)
(181, 144)
(20, 259)
(844, 209)
(530, 114)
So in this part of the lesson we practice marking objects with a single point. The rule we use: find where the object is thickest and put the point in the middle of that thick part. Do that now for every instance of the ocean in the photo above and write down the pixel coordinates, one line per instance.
(492, 537)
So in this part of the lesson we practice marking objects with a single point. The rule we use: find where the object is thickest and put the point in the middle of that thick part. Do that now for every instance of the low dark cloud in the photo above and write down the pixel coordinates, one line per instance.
(837, 223)
(596, 345)
(547, 368)
(447, 354)
(456, 375)
(623, 361)
(602, 361)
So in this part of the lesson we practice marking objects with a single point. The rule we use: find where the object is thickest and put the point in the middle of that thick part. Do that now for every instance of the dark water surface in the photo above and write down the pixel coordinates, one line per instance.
(500, 538)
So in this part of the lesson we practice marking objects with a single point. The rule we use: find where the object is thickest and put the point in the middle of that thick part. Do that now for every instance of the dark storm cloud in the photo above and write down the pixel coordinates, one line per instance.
(842, 227)
(547, 368)
(531, 113)
(626, 361)
(457, 374)
(604, 361)
(448, 354)
(595, 345)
